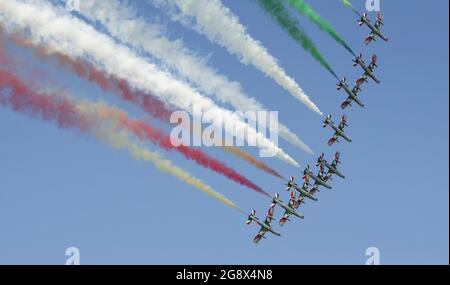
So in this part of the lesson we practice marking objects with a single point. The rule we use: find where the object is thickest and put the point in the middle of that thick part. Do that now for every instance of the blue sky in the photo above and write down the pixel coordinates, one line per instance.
(59, 188)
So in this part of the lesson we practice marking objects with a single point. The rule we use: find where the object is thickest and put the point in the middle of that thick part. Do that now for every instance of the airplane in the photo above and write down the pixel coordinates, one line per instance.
(368, 70)
(290, 209)
(301, 197)
(322, 176)
(339, 131)
(317, 179)
(352, 93)
(332, 168)
(303, 190)
(375, 29)
(265, 226)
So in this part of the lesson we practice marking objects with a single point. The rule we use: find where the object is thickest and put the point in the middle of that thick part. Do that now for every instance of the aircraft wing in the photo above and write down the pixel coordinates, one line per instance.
(333, 139)
(343, 123)
(369, 38)
(313, 191)
(379, 20)
(373, 63)
(299, 201)
(356, 89)
(269, 217)
(378, 24)
(346, 103)
(336, 159)
(259, 235)
(292, 200)
(284, 218)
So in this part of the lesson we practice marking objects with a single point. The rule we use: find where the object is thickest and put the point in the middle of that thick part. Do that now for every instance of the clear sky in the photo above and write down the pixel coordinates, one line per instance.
(59, 188)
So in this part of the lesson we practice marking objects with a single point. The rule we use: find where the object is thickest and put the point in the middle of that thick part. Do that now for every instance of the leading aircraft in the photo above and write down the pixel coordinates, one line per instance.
(375, 29)
(339, 131)
(303, 190)
(317, 179)
(290, 208)
(368, 70)
(265, 226)
(332, 168)
(352, 93)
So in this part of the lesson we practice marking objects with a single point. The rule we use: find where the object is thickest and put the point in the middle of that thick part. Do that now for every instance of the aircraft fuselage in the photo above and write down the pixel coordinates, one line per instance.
(375, 30)
(332, 169)
(305, 193)
(289, 209)
(352, 95)
(265, 226)
(318, 180)
(368, 71)
(340, 132)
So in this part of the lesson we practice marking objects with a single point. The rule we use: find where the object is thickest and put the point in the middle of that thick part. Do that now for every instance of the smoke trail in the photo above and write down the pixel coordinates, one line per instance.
(236, 151)
(143, 130)
(148, 102)
(3, 58)
(221, 26)
(250, 159)
(349, 5)
(276, 9)
(56, 108)
(22, 99)
(54, 27)
(302, 7)
(163, 164)
(122, 21)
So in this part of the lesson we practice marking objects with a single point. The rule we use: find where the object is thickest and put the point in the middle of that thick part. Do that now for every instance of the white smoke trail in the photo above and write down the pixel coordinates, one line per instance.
(122, 21)
(66, 34)
(220, 25)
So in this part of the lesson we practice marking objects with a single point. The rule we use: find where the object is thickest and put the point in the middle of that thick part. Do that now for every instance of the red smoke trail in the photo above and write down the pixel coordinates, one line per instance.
(66, 114)
(144, 131)
(48, 107)
(148, 102)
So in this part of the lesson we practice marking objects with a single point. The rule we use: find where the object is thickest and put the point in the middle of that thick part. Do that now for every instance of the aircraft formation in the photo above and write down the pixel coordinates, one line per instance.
(158, 93)
(326, 170)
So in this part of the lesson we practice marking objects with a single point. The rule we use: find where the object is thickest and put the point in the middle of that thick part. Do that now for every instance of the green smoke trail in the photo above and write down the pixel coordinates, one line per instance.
(349, 5)
(276, 9)
(306, 10)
